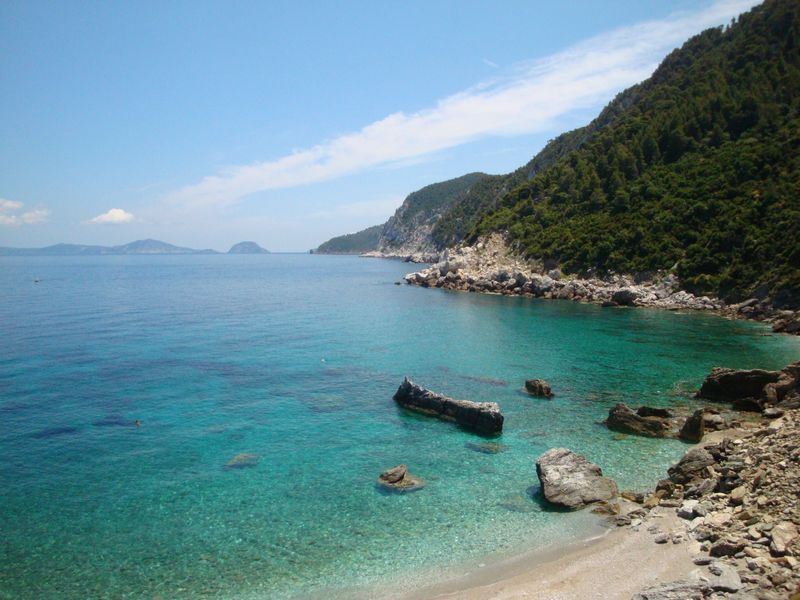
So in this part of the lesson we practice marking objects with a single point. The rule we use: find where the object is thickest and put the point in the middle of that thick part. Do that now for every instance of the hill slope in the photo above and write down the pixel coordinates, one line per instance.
(137, 247)
(697, 170)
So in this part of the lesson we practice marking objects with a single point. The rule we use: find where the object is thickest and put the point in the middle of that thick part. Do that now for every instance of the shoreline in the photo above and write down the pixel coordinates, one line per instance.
(489, 267)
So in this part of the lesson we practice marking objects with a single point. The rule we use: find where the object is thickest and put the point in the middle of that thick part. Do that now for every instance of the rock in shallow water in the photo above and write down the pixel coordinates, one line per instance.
(483, 417)
(538, 387)
(623, 419)
(569, 480)
(245, 459)
(398, 479)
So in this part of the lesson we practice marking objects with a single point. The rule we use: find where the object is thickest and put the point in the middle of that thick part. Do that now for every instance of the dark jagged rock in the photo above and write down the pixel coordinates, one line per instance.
(623, 419)
(625, 297)
(538, 387)
(398, 479)
(727, 385)
(569, 480)
(692, 466)
(650, 411)
(483, 417)
(694, 428)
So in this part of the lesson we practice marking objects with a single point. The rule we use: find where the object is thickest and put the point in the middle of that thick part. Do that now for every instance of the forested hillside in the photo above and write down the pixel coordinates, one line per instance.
(698, 169)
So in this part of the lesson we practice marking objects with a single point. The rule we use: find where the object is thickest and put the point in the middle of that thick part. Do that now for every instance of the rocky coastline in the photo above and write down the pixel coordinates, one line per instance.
(490, 267)
(736, 496)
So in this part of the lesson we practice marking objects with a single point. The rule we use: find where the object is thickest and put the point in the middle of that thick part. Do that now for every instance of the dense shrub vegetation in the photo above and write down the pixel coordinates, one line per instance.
(352, 243)
(697, 168)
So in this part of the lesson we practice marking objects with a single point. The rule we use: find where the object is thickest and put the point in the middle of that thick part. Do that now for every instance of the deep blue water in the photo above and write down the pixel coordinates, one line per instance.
(294, 359)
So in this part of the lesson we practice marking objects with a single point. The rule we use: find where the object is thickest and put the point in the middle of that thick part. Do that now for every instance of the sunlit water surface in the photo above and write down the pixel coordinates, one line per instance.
(294, 359)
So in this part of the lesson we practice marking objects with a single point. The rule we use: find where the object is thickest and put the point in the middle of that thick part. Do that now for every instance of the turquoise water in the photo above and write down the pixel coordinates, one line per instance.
(294, 358)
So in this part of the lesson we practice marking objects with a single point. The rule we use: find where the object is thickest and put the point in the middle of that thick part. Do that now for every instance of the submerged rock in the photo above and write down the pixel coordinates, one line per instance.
(398, 479)
(538, 387)
(623, 419)
(486, 447)
(569, 479)
(483, 417)
(245, 459)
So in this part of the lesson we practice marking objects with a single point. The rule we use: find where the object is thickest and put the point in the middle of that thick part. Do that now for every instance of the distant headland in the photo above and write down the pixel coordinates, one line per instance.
(148, 246)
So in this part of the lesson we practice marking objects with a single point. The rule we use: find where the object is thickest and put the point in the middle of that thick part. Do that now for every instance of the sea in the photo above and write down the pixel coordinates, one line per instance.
(129, 385)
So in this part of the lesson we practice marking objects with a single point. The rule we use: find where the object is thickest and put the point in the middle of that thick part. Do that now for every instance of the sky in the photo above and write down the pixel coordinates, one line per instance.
(204, 124)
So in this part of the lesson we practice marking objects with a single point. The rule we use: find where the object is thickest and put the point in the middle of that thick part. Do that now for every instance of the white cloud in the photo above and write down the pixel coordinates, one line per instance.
(9, 205)
(372, 210)
(529, 99)
(31, 217)
(490, 63)
(115, 216)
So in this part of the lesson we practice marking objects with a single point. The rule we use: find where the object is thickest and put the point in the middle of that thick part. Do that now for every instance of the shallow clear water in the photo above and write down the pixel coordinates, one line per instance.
(294, 358)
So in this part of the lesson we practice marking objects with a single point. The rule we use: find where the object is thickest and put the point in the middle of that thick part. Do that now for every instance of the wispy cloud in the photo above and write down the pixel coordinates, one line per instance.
(115, 216)
(529, 98)
(380, 209)
(10, 218)
(490, 63)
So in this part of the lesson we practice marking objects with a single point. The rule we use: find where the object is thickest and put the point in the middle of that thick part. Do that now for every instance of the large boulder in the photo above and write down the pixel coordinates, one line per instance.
(569, 480)
(694, 428)
(625, 297)
(728, 385)
(623, 419)
(692, 466)
(483, 417)
(538, 387)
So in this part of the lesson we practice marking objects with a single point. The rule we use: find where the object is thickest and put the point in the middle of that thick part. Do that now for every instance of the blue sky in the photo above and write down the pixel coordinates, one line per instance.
(207, 123)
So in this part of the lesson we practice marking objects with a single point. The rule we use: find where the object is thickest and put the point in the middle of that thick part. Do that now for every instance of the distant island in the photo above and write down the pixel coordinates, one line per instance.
(247, 248)
(137, 247)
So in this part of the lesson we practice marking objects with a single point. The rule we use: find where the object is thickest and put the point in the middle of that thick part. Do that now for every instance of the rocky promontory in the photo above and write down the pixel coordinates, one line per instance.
(489, 266)
(482, 417)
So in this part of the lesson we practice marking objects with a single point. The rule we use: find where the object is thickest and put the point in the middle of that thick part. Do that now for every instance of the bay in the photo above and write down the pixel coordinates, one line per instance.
(293, 359)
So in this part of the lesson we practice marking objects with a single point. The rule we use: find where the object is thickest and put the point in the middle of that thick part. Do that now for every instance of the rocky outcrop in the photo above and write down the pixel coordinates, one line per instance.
(754, 390)
(482, 417)
(694, 428)
(571, 481)
(738, 502)
(398, 479)
(727, 385)
(538, 387)
(490, 267)
(624, 420)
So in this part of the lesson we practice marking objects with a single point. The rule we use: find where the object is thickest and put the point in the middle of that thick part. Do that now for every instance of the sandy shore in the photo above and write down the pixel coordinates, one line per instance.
(614, 566)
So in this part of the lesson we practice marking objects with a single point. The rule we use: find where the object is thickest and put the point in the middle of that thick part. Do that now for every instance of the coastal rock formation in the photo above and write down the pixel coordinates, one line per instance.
(489, 266)
(623, 419)
(727, 385)
(398, 479)
(482, 417)
(569, 480)
(743, 510)
(538, 387)
(754, 390)
(694, 428)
